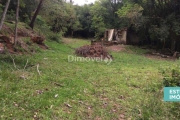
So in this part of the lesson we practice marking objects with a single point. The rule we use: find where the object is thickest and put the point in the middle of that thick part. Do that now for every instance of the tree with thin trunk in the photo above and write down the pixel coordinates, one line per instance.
(35, 14)
(17, 17)
(4, 13)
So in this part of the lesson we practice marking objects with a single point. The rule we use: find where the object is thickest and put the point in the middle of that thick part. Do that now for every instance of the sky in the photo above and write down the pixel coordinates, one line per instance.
(82, 2)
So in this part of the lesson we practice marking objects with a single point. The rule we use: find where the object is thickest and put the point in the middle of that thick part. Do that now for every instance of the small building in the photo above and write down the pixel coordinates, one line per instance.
(118, 36)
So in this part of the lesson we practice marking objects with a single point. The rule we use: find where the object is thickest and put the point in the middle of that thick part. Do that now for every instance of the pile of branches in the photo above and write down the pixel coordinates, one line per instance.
(93, 51)
(6, 43)
(38, 39)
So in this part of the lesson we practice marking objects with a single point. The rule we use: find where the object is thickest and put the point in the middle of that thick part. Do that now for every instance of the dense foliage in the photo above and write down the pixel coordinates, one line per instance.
(171, 77)
(155, 22)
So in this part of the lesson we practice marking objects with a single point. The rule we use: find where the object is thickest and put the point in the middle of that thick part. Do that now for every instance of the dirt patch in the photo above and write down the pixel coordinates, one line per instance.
(38, 39)
(43, 46)
(5, 43)
(158, 56)
(116, 48)
(23, 32)
(69, 40)
(26, 40)
(6, 30)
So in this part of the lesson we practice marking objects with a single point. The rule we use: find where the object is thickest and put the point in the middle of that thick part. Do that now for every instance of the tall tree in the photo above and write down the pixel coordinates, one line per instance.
(4, 13)
(35, 14)
(17, 17)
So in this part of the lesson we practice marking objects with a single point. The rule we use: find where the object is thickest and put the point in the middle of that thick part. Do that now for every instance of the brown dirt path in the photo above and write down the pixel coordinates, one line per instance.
(116, 48)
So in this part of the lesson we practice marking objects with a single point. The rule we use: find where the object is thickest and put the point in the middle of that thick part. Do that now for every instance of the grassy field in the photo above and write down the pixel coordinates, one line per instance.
(130, 88)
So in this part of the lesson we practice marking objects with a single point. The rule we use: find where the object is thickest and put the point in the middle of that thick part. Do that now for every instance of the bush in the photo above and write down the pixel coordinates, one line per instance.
(55, 36)
(26, 19)
(44, 29)
(11, 15)
(171, 78)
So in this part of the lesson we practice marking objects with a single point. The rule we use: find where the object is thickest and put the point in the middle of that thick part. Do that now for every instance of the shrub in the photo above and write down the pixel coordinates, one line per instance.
(55, 36)
(171, 78)
(11, 15)
(44, 29)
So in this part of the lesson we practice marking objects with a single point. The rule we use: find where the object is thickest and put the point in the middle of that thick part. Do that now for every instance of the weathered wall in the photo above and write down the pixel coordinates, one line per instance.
(118, 35)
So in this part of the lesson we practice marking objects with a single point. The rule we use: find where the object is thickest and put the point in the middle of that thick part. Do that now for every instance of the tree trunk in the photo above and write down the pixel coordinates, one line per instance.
(173, 43)
(17, 17)
(4, 13)
(72, 33)
(35, 14)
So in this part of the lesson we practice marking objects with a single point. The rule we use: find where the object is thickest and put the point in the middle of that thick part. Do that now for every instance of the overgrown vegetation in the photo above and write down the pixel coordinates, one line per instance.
(129, 88)
(155, 22)
(46, 86)
(171, 77)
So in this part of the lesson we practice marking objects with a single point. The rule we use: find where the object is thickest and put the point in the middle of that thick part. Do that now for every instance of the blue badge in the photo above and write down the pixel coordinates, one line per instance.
(172, 94)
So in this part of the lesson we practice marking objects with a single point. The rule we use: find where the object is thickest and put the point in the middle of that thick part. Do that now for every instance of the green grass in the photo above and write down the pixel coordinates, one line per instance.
(129, 88)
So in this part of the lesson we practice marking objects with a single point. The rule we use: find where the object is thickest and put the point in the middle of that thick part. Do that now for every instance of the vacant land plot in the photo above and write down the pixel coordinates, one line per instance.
(47, 86)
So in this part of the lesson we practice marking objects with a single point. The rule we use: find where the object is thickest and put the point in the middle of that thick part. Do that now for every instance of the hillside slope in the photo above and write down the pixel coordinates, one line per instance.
(27, 41)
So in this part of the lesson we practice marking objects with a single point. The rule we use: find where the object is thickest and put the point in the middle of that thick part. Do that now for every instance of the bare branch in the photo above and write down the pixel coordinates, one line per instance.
(26, 64)
(13, 62)
(38, 69)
